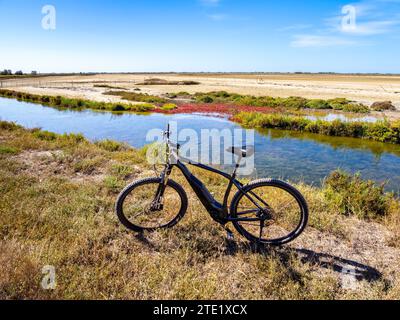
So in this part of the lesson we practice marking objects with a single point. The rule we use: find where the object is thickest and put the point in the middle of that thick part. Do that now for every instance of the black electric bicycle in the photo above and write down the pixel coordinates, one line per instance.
(264, 211)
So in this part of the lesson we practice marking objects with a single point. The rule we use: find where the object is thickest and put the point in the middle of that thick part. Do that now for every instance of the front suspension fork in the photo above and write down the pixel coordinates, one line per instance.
(157, 203)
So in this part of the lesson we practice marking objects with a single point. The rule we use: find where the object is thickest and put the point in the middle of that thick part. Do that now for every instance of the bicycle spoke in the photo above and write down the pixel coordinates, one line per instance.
(280, 210)
(247, 212)
(139, 213)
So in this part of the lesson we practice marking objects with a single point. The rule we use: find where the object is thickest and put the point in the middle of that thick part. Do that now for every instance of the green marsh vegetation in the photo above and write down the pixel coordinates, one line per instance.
(382, 131)
(138, 97)
(377, 148)
(291, 103)
(57, 208)
(71, 103)
(169, 106)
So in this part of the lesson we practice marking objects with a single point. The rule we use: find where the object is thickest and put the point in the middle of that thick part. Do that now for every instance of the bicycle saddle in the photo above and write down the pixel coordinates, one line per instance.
(245, 151)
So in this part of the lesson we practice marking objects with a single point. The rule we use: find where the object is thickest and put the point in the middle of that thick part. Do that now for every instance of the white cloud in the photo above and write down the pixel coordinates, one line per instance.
(303, 41)
(371, 28)
(370, 17)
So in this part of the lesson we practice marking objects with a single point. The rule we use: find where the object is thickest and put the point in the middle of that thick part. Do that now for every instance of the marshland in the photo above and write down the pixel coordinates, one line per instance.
(69, 144)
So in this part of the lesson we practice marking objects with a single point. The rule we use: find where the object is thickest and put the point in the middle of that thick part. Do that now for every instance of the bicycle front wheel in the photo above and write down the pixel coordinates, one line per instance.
(139, 209)
(278, 216)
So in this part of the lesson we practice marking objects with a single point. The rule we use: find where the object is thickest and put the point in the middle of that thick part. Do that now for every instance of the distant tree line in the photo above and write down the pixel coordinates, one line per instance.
(8, 72)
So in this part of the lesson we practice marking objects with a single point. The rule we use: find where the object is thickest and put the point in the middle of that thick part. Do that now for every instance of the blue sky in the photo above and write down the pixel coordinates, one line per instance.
(201, 35)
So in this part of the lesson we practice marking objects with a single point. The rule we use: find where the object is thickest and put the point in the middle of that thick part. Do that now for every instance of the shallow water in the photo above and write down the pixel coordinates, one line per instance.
(279, 154)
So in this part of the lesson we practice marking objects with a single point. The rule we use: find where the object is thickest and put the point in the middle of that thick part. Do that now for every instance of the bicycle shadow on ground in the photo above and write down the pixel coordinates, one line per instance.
(323, 260)
(340, 265)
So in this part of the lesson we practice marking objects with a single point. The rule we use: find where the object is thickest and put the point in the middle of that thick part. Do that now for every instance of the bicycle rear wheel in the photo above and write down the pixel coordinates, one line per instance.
(138, 211)
(283, 215)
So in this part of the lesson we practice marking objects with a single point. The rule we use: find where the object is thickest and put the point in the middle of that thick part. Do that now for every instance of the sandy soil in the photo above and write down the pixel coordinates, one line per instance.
(364, 88)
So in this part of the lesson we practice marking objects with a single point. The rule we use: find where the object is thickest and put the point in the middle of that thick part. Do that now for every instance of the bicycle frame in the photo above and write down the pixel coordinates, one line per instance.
(219, 212)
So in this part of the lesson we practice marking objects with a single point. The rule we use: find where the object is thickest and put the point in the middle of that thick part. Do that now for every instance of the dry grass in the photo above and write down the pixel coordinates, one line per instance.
(57, 208)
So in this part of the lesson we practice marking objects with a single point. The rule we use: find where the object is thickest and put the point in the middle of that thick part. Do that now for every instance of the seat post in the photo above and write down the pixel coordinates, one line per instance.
(237, 166)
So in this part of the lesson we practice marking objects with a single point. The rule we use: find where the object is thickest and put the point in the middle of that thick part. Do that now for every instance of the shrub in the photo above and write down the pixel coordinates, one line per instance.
(8, 150)
(80, 103)
(381, 131)
(118, 107)
(270, 102)
(142, 107)
(295, 103)
(121, 171)
(45, 99)
(205, 99)
(338, 103)
(347, 105)
(183, 94)
(87, 166)
(318, 104)
(353, 196)
(245, 101)
(356, 107)
(110, 145)
(72, 138)
(221, 94)
(383, 106)
(113, 184)
(169, 106)
(355, 129)
(56, 100)
(10, 126)
(45, 135)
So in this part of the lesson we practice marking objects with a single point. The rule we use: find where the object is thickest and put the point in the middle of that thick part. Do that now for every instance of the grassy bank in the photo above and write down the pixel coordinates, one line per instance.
(382, 131)
(57, 208)
(63, 102)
